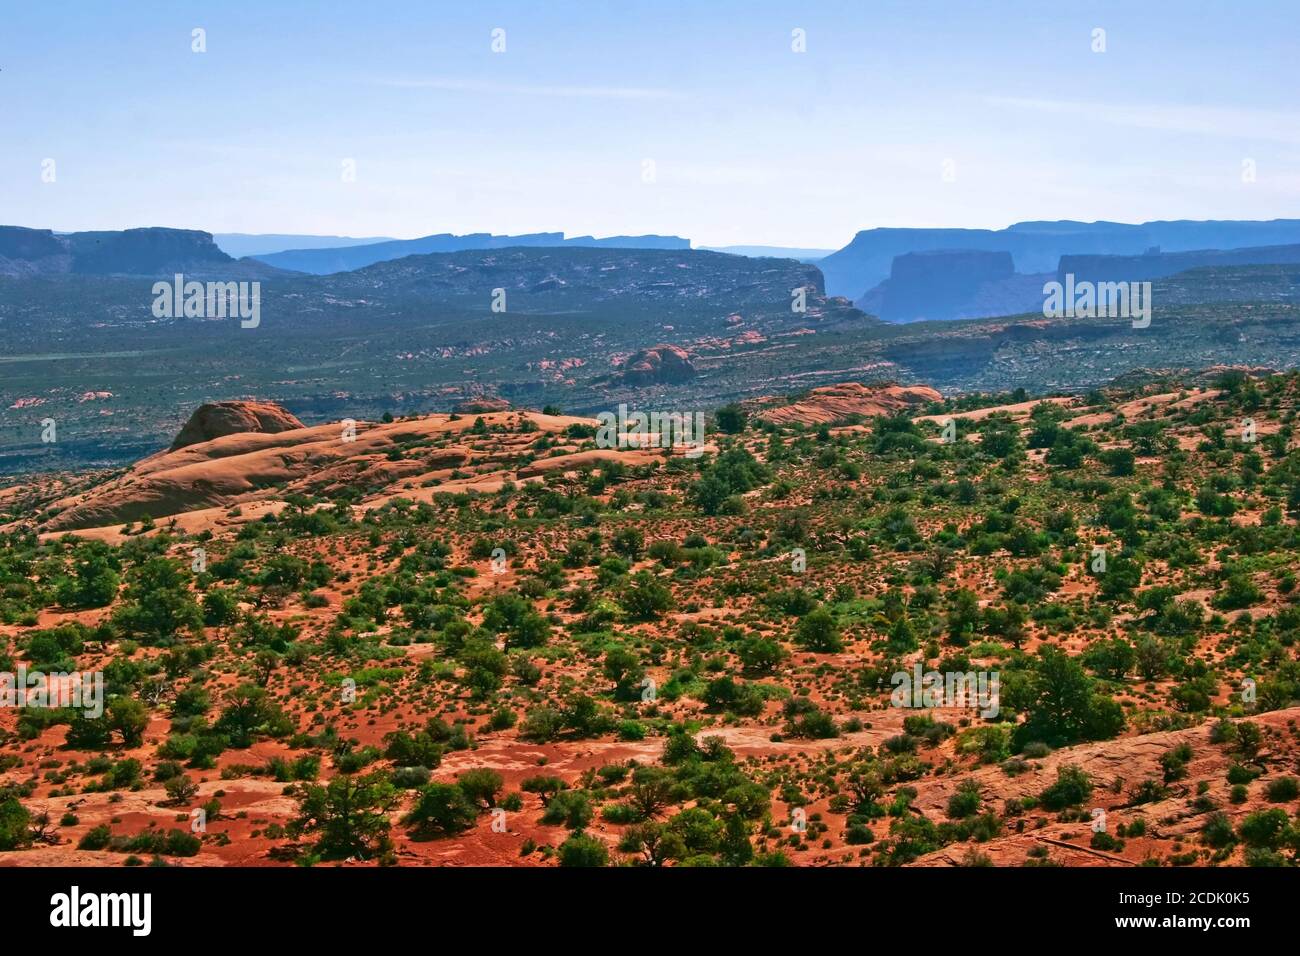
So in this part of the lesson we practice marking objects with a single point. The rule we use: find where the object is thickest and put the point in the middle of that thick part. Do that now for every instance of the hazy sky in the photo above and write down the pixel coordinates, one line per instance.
(750, 141)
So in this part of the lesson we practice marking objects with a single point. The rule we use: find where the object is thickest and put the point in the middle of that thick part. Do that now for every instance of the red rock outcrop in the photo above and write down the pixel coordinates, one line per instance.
(659, 365)
(218, 419)
(483, 405)
(836, 403)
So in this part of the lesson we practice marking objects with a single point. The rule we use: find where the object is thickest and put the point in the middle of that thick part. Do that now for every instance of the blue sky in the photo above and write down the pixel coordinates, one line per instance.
(751, 142)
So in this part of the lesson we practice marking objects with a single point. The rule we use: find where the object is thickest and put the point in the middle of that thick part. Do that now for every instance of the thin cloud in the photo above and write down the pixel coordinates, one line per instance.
(1231, 122)
(452, 85)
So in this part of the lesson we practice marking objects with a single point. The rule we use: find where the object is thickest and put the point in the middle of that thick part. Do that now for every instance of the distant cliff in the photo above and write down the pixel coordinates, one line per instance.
(970, 284)
(155, 252)
(17, 242)
(1157, 265)
(346, 259)
(951, 284)
(1037, 246)
(240, 244)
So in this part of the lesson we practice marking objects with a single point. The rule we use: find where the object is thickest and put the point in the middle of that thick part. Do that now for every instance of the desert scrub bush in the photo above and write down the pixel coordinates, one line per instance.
(440, 809)
(818, 632)
(1174, 762)
(1223, 731)
(542, 725)
(569, 808)
(1266, 829)
(1072, 787)
(172, 843)
(1240, 775)
(348, 815)
(1102, 840)
(813, 725)
(1217, 831)
(1135, 828)
(96, 838)
(481, 785)
(410, 778)
(965, 802)
(989, 744)
(1282, 790)
(631, 730)
(581, 850)
(180, 790)
(15, 822)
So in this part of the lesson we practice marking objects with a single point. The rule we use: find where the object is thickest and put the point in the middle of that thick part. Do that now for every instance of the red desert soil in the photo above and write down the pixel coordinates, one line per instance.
(231, 484)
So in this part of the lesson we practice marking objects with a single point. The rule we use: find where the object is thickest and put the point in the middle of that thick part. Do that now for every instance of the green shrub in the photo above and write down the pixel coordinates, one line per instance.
(1282, 790)
(582, 850)
(1072, 787)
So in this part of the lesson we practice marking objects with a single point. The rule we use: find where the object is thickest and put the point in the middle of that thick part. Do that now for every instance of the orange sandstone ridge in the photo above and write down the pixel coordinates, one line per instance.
(831, 404)
(412, 458)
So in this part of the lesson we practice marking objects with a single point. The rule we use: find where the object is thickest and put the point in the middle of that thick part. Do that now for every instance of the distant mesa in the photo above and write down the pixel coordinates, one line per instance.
(153, 252)
(971, 283)
(772, 252)
(240, 244)
(953, 284)
(218, 419)
(483, 405)
(683, 287)
(30, 245)
(325, 261)
(835, 404)
(1154, 264)
(659, 365)
(1037, 247)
